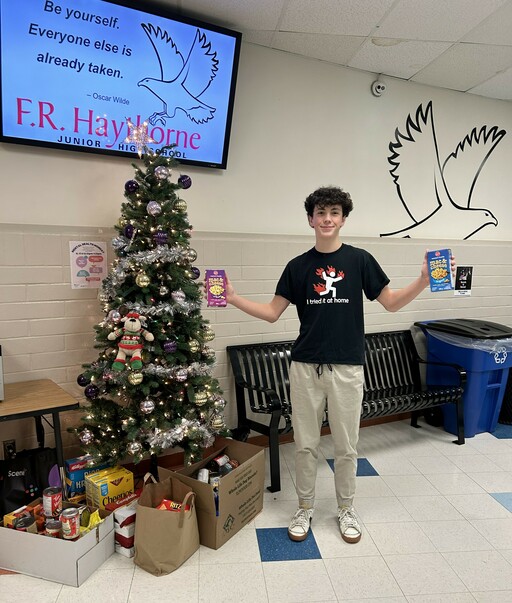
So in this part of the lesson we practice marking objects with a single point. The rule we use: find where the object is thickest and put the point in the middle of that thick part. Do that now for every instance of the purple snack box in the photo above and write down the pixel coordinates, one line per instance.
(216, 287)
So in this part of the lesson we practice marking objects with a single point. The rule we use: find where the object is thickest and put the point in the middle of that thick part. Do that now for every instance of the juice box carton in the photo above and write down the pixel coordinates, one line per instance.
(439, 270)
(107, 486)
(216, 287)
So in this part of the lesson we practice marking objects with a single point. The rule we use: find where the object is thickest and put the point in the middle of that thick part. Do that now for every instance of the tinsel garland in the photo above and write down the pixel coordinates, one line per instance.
(167, 439)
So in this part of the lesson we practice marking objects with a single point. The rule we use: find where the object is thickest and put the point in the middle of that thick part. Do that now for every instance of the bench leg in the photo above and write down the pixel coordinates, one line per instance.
(275, 471)
(460, 423)
(414, 419)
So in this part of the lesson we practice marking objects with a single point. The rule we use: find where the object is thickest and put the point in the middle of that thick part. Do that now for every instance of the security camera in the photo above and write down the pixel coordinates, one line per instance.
(378, 88)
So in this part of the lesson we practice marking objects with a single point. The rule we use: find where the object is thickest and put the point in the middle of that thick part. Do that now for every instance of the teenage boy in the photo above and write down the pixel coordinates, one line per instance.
(326, 285)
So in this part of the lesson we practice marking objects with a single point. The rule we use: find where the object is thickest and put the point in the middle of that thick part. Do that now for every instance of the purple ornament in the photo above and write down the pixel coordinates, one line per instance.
(132, 186)
(82, 380)
(91, 391)
(129, 229)
(185, 181)
(170, 346)
(196, 273)
(160, 237)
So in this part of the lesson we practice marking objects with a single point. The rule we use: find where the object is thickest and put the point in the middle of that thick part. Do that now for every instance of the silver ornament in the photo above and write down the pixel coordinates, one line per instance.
(147, 406)
(178, 296)
(193, 346)
(86, 436)
(192, 255)
(162, 173)
(114, 316)
(181, 374)
(153, 208)
(134, 448)
(163, 291)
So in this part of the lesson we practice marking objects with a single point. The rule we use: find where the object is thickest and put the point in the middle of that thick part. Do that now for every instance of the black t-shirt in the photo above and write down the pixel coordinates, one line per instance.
(327, 289)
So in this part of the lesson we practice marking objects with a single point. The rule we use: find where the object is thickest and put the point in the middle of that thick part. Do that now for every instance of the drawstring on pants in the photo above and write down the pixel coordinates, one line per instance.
(320, 369)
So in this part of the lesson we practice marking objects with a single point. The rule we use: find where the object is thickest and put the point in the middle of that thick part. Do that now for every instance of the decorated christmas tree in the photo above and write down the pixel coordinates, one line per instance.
(151, 387)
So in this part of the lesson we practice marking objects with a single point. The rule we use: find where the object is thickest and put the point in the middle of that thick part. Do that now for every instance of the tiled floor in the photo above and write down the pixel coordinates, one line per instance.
(437, 528)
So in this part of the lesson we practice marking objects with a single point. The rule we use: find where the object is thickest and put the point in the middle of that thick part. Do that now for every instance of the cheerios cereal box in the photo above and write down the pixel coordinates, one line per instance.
(216, 287)
(439, 270)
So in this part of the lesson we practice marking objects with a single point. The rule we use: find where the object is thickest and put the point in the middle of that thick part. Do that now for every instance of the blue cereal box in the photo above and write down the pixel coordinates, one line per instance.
(76, 470)
(439, 270)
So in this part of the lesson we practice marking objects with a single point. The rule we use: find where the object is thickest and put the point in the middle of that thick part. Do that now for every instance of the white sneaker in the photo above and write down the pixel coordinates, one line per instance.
(299, 525)
(349, 525)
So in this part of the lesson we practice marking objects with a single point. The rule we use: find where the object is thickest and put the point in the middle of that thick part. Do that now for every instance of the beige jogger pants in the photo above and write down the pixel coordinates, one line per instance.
(340, 387)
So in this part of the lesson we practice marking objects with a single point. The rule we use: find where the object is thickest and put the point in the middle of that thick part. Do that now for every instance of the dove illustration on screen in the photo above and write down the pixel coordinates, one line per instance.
(438, 196)
(181, 82)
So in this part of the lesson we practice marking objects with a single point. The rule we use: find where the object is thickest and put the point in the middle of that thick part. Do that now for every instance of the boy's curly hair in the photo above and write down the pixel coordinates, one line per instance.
(327, 196)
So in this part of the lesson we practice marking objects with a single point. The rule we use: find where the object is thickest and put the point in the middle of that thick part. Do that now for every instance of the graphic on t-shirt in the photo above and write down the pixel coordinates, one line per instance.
(329, 276)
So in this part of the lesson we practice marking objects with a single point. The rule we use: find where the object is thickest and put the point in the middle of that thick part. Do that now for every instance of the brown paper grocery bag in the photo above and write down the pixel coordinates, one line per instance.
(165, 539)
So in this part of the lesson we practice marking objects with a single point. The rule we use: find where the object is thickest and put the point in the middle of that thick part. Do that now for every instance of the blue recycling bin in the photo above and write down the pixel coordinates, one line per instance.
(484, 350)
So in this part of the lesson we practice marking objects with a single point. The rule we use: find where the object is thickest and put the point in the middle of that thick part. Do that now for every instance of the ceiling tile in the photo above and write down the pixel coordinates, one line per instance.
(344, 17)
(499, 86)
(236, 14)
(464, 66)
(336, 49)
(401, 58)
(496, 29)
(262, 38)
(435, 19)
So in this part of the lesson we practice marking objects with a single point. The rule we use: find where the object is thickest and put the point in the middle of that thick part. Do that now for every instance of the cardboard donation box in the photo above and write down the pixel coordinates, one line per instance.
(240, 492)
(55, 559)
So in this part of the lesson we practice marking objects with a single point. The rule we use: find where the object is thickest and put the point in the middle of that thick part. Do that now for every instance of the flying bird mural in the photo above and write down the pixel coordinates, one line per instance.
(434, 193)
(181, 81)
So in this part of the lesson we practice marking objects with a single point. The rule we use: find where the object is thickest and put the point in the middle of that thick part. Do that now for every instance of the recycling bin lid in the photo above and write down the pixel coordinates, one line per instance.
(467, 327)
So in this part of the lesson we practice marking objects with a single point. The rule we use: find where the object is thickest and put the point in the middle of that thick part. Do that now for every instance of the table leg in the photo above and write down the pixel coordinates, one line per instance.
(58, 449)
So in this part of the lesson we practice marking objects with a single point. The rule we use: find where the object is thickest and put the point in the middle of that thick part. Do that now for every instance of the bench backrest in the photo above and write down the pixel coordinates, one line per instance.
(390, 367)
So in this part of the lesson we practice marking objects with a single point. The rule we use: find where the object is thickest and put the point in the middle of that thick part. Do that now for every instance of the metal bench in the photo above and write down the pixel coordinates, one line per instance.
(392, 386)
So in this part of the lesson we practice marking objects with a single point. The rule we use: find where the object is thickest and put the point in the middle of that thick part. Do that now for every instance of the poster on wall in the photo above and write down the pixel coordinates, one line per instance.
(463, 280)
(88, 261)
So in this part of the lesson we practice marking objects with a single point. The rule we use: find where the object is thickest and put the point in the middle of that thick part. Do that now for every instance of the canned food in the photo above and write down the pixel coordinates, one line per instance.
(25, 524)
(70, 519)
(214, 479)
(203, 475)
(52, 502)
(53, 528)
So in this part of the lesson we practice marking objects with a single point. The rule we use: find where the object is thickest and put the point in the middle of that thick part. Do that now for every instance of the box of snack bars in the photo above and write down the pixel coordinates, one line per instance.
(216, 288)
(439, 270)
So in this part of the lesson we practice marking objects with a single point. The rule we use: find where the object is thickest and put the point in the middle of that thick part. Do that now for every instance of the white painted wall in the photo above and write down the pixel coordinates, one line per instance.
(298, 124)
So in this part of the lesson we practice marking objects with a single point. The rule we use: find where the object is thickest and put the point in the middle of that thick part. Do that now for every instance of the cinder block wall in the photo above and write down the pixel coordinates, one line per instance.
(46, 328)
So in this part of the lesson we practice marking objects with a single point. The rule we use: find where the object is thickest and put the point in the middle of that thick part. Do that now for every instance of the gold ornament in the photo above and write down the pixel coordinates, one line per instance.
(180, 205)
(142, 279)
(135, 378)
(193, 346)
(201, 398)
(208, 334)
(217, 422)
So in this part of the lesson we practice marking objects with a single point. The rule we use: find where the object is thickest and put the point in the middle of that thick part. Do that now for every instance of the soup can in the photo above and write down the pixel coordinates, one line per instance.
(52, 502)
(70, 519)
(53, 528)
(26, 524)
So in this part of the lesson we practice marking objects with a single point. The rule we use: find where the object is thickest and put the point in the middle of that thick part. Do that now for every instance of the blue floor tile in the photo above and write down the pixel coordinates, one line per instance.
(275, 545)
(364, 467)
(503, 432)
(504, 498)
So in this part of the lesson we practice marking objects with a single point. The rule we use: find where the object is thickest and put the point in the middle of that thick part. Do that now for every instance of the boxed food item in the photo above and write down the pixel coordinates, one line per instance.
(76, 471)
(107, 486)
(439, 270)
(64, 561)
(216, 287)
(239, 493)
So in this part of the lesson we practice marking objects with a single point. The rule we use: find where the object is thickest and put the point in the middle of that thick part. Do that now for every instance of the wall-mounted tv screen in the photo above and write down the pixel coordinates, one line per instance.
(84, 74)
